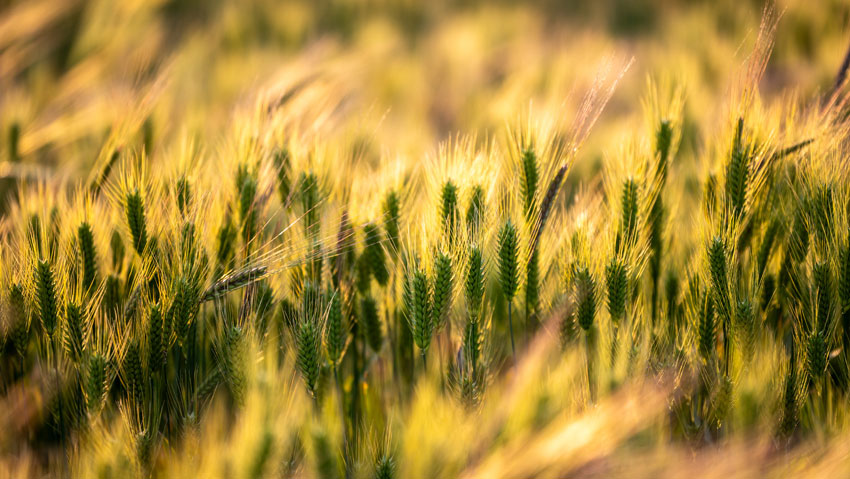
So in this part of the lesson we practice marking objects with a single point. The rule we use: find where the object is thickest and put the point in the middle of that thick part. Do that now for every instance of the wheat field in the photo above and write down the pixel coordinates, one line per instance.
(401, 239)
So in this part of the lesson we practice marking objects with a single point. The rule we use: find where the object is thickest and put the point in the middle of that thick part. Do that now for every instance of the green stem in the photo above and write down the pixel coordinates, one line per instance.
(511, 327)
(588, 348)
(345, 450)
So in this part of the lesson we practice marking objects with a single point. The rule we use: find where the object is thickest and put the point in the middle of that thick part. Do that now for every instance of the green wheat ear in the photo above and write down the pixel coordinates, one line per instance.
(844, 292)
(225, 241)
(616, 279)
(766, 247)
(234, 358)
(13, 139)
(247, 210)
(532, 284)
(335, 332)
(816, 353)
(737, 172)
(472, 341)
(768, 289)
(133, 371)
(474, 292)
(474, 285)
(157, 340)
(823, 291)
(19, 332)
(391, 210)
(373, 254)
(508, 267)
(74, 322)
(371, 323)
(443, 285)
(707, 327)
(95, 382)
(184, 194)
(308, 347)
(528, 180)
(745, 319)
(709, 194)
(448, 208)
(282, 161)
(135, 211)
(585, 298)
(309, 195)
(820, 207)
(89, 257)
(385, 467)
(421, 322)
(719, 281)
(789, 398)
(475, 210)
(798, 242)
(363, 273)
(629, 205)
(116, 246)
(111, 296)
(46, 297)
(663, 142)
(508, 270)
(184, 308)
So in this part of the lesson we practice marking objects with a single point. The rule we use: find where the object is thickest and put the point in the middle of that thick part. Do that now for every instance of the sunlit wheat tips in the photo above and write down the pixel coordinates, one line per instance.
(508, 270)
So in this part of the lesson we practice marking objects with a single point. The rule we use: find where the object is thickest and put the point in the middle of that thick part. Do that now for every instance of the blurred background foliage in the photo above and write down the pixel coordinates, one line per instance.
(405, 74)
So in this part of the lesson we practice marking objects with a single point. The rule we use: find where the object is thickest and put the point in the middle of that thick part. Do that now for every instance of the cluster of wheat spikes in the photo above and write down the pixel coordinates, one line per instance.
(284, 310)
